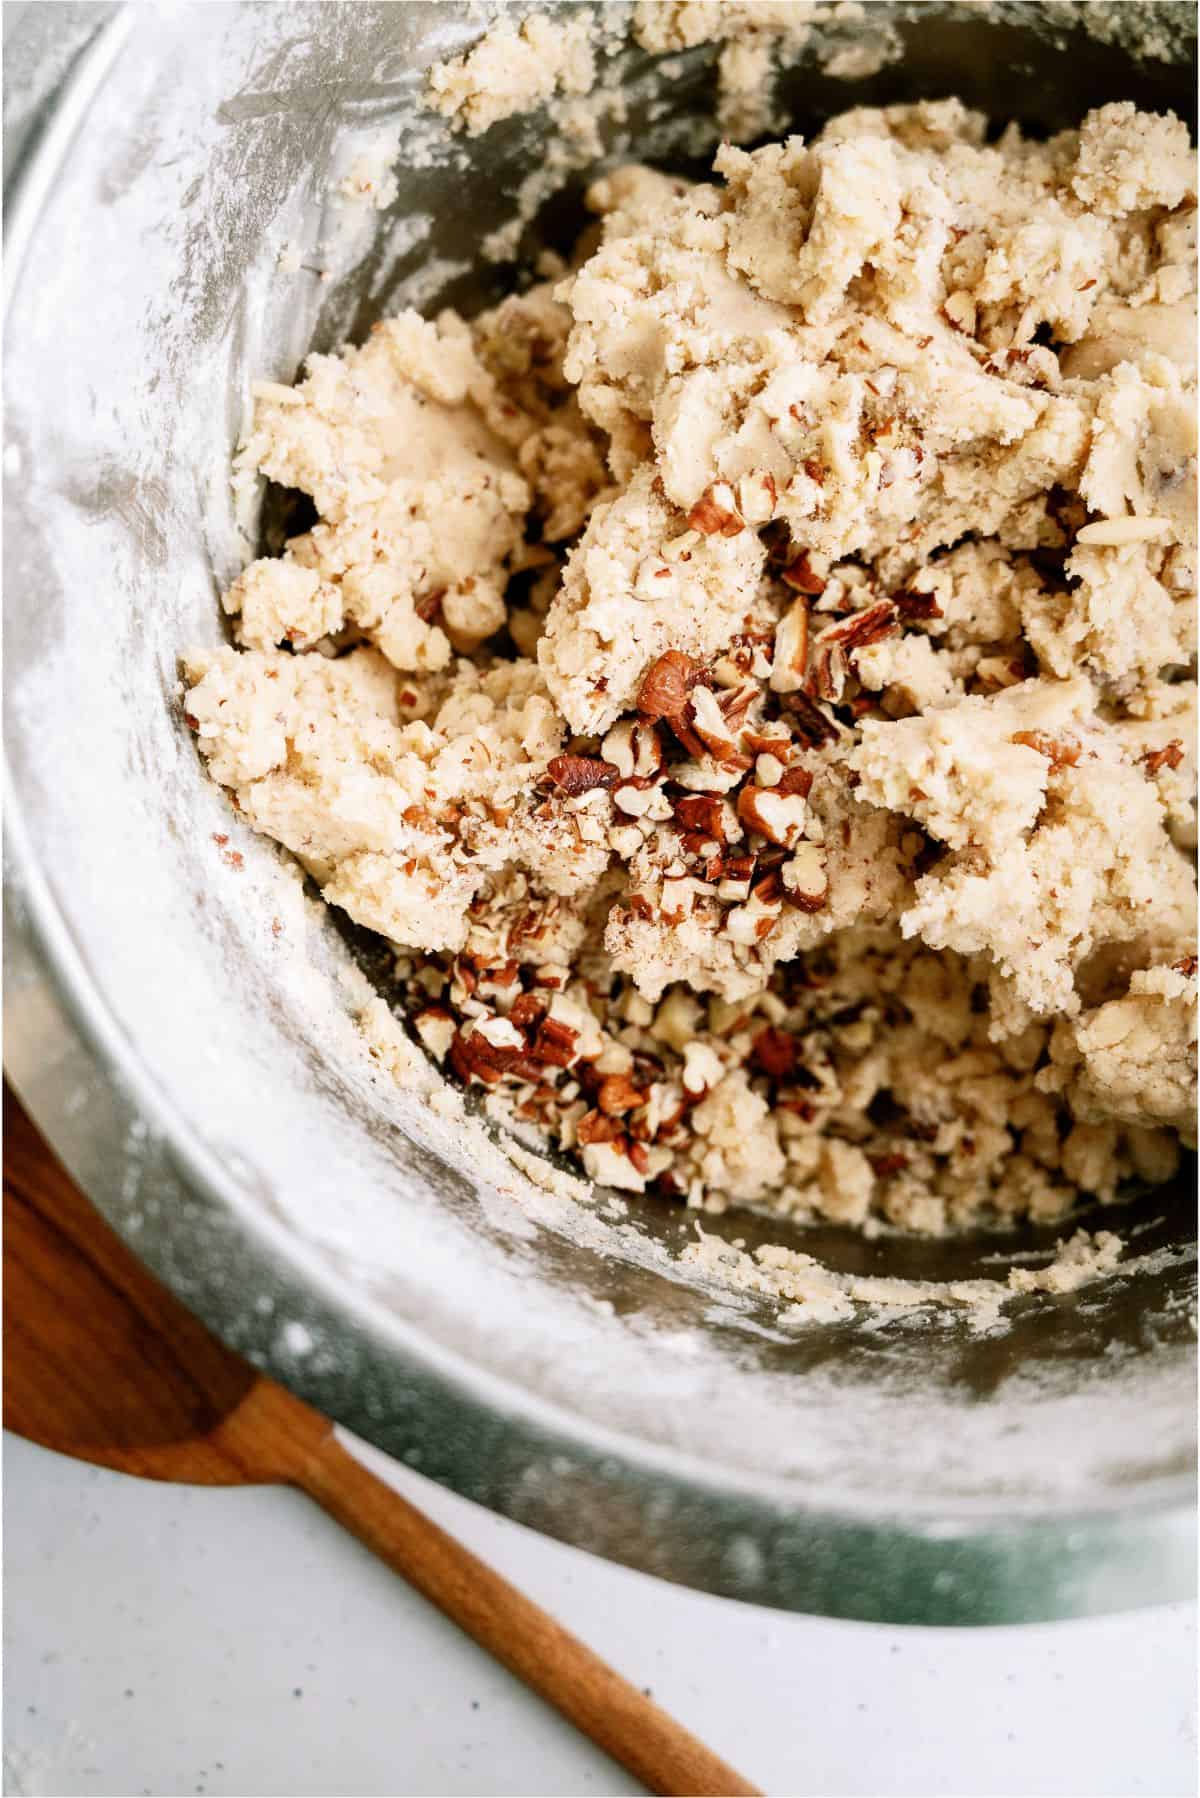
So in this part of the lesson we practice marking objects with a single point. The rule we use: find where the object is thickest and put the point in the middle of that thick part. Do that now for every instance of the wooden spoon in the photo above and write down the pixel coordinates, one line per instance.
(103, 1363)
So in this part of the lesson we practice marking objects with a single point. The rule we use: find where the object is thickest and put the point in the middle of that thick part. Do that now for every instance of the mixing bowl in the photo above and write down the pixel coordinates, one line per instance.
(179, 1010)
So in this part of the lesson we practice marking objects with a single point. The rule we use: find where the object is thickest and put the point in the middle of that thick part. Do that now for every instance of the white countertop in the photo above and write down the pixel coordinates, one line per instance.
(173, 1640)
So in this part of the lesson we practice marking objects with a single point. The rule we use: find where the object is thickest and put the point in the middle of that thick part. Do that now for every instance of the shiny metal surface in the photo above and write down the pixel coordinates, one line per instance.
(199, 1073)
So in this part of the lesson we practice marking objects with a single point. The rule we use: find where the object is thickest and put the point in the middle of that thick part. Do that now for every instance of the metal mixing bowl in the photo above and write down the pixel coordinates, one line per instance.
(198, 1070)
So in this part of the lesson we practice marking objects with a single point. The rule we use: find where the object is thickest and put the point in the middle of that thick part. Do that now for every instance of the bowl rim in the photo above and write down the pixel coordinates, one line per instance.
(970, 1564)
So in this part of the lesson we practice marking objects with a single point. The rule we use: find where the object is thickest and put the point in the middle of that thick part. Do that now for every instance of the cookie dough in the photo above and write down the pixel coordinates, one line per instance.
(747, 678)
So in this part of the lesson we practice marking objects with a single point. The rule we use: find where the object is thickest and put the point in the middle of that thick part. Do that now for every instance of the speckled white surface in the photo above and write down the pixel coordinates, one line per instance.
(173, 1640)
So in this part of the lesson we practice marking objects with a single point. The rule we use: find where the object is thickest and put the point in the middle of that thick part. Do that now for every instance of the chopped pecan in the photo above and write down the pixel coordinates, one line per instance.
(710, 724)
(1169, 756)
(774, 1052)
(1060, 752)
(429, 605)
(666, 686)
(527, 1010)
(834, 646)
(762, 743)
(769, 889)
(1187, 966)
(736, 703)
(702, 812)
(777, 816)
(870, 625)
(555, 1043)
(790, 660)
(917, 605)
(639, 1156)
(883, 1166)
(801, 575)
(715, 513)
(806, 883)
(573, 774)
(730, 867)
(474, 1057)
(618, 1094)
(593, 1126)
(794, 780)
(830, 669)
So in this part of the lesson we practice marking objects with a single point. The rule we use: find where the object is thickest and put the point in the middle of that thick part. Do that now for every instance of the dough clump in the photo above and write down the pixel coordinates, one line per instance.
(747, 679)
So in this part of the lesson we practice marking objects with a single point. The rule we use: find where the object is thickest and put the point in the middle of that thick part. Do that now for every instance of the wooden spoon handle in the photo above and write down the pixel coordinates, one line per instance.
(517, 1632)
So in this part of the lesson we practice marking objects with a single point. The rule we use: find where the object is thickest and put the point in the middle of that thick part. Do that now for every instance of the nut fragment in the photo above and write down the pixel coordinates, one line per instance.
(809, 720)
(870, 625)
(917, 605)
(801, 575)
(555, 1043)
(701, 812)
(1060, 752)
(715, 513)
(795, 780)
(618, 1094)
(666, 685)
(633, 747)
(777, 816)
(791, 650)
(775, 1052)
(527, 1010)
(473, 1056)
(574, 774)
(1113, 533)
(1169, 756)
(711, 725)
(595, 1127)
(805, 881)
(436, 1029)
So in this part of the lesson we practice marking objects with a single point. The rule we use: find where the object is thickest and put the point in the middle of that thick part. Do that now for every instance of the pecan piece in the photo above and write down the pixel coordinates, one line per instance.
(883, 1166)
(701, 812)
(715, 513)
(805, 881)
(777, 816)
(1169, 756)
(763, 743)
(527, 1010)
(917, 605)
(808, 719)
(666, 686)
(711, 725)
(870, 625)
(794, 780)
(593, 1126)
(618, 1094)
(791, 649)
(831, 666)
(801, 575)
(774, 1052)
(573, 774)
(429, 605)
(475, 1057)
(1059, 752)
(555, 1043)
